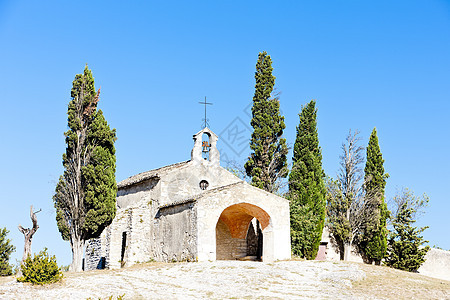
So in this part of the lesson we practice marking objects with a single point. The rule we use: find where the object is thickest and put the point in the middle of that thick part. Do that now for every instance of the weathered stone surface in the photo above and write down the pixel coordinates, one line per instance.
(229, 248)
(437, 264)
(94, 260)
(176, 237)
(205, 280)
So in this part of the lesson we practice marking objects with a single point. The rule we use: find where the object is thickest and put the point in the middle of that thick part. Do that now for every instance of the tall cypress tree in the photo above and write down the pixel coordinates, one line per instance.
(374, 240)
(85, 196)
(268, 163)
(306, 186)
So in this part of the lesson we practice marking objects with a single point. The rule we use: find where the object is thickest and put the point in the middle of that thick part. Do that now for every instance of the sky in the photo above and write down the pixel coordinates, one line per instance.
(383, 64)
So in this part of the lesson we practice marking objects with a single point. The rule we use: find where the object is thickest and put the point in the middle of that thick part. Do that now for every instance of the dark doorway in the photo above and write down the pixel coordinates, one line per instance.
(254, 240)
(259, 235)
(124, 246)
(322, 253)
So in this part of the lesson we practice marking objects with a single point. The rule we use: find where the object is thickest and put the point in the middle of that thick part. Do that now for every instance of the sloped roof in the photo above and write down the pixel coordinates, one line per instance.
(156, 173)
(219, 189)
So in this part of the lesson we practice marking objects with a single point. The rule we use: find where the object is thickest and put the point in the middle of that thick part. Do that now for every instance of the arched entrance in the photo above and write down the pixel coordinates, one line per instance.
(240, 232)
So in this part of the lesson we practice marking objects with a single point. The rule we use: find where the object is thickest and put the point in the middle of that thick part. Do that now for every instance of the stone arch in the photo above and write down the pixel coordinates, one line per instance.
(232, 227)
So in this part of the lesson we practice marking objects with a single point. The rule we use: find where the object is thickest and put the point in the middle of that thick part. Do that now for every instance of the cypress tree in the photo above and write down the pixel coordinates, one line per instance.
(404, 251)
(85, 196)
(6, 248)
(268, 163)
(306, 186)
(374, 240)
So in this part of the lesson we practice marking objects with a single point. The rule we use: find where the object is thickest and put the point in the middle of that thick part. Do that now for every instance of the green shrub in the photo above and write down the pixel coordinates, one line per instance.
(5, 251)
(40, 269)
(405, 251)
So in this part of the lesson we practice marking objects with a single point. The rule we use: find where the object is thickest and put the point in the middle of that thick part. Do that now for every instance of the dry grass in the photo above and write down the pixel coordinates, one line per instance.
(5, 279)
(387, 283)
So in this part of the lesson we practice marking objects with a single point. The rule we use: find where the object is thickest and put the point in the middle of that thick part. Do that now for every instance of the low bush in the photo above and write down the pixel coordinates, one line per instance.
(40, 269)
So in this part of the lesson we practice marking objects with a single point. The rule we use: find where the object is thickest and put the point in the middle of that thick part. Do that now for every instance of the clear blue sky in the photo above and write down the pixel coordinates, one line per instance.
(383, 64)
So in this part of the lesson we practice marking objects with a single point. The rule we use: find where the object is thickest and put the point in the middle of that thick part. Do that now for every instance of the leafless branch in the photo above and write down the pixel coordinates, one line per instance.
(349, 205)
(406, 196)
(28, 233)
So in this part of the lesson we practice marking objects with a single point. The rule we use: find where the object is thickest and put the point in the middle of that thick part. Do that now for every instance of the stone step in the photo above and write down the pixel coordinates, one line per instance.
(251, 258)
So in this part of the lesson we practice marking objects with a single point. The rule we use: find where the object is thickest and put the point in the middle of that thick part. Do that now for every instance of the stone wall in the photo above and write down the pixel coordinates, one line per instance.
(93, 255)
(332, 253)
(120, 225)
(228, 248)
(105, 242)
(133, 194)
(437, 264)
(146, 232)
(128, 239)
(97, 252)
(139, 232)
(184, 182)
(174, 233)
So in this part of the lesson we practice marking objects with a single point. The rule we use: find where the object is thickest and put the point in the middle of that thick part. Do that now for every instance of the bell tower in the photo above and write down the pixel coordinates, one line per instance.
(205, 148)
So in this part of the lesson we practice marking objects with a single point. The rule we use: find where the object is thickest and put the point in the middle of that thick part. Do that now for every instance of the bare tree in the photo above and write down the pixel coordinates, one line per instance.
(237, 169)
(406, 196)
(28, 234)
(278, 184)
(349, 208)
(351, 172)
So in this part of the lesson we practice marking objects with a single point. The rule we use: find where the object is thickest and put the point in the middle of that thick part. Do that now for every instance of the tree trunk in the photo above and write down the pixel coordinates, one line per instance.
(347, 249)
(341, 251)
(77, 255)
(365, 258)
(26, 247)
(28, 234)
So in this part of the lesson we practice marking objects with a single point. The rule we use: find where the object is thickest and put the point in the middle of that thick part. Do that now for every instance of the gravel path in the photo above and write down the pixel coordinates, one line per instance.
(206, 280)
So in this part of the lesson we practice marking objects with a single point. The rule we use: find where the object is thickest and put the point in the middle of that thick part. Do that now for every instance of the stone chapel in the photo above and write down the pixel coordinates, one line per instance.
(192, 211)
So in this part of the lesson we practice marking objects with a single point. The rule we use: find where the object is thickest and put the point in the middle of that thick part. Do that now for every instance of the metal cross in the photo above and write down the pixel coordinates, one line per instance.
(205, 103)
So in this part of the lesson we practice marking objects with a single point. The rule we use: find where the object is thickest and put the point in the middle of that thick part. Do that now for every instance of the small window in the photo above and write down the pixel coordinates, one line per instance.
(204, 184)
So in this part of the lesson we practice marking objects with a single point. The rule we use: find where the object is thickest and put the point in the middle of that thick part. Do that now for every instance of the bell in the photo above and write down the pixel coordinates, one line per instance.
(205, 146)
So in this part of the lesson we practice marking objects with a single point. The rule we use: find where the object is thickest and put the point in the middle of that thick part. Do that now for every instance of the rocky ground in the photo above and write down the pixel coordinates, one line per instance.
(237, 280)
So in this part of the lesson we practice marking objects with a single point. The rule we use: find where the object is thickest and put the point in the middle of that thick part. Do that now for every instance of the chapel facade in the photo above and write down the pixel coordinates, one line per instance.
(192, 211)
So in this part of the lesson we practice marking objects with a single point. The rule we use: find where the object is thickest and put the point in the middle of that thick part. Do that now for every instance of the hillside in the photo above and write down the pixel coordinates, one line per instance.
(237, 280)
